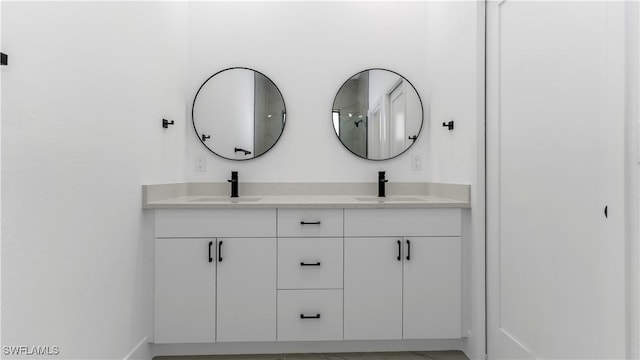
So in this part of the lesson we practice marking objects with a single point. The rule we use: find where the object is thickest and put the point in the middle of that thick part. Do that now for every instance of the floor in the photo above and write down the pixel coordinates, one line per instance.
(413, 355)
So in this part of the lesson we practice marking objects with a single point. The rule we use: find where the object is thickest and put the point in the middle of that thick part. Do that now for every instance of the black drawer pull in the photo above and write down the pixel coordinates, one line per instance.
(210, 244)
(307, 264)
(303, 316)
(408, 250)
(309, 222)
(220, 251)
(399, 250)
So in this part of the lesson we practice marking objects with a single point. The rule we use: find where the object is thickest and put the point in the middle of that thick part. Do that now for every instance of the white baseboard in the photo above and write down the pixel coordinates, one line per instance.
(141, 351)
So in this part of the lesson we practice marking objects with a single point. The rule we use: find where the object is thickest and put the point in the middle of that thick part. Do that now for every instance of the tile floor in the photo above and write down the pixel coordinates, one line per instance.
(412, 355)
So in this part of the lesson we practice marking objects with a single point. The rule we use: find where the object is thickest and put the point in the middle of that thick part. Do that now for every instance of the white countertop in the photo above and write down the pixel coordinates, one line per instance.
(191, 199)
(304, 201)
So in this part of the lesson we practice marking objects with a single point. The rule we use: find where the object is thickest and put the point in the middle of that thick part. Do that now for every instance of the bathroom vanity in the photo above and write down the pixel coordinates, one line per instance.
(306, 268)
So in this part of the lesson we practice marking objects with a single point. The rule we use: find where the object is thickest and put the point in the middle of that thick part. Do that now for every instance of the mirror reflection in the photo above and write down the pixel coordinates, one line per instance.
(238, 113)
(377, 114)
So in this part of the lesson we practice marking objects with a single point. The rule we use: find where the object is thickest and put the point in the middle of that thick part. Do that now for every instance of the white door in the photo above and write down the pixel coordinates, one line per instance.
(372, 288)
(432, 288)
(185, 291)
(246, 289)
(397, 120)
(555, 152)
(376, 136)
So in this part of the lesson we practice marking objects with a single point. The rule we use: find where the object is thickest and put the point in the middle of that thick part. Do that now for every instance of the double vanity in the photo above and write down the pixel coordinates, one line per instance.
(288, 267)
(307, 262)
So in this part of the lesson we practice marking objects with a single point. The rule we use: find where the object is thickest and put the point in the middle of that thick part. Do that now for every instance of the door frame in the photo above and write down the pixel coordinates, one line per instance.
(632, 176)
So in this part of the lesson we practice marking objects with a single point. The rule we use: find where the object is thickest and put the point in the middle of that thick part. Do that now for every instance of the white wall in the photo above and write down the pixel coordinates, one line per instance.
(309, 49)
(82, 103)
(632, 133)
(451, 91)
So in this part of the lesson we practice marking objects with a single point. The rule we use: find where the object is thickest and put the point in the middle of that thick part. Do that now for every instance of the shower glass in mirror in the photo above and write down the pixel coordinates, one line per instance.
(377, 114)
(238, 113)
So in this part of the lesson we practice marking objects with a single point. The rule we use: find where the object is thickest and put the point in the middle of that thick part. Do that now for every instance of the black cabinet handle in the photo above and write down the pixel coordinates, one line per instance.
(220, 251)
(303, 316)
(309, 222)
(307, 264)
(399, 250)
(408, 250)
(210, 244)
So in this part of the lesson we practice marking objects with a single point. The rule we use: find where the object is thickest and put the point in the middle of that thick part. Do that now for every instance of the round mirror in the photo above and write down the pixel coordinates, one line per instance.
(238, 113)
(377, 114)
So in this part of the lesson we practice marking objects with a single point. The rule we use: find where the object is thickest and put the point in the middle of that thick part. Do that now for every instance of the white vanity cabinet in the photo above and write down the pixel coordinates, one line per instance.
(215, 275)
(266, 275)
(310, 274)
(402, 274)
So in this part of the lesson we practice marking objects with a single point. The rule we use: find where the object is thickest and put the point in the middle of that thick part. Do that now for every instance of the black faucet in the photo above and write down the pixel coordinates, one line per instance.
(234, 184)
(381, 181)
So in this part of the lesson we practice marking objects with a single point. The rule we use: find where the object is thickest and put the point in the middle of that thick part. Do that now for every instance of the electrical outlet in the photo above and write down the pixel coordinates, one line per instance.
(416, 163)
(201, 163)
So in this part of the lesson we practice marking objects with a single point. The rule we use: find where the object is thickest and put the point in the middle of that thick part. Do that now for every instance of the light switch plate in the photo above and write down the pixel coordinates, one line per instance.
(201, 163)
(416, 162)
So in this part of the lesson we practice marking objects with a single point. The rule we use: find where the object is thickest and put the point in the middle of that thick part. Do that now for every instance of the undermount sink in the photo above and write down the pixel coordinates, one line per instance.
(224, 199)
(388, 198)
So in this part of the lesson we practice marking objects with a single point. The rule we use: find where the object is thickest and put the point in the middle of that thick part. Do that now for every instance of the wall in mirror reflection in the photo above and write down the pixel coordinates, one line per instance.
(240, 112)
(377, 114)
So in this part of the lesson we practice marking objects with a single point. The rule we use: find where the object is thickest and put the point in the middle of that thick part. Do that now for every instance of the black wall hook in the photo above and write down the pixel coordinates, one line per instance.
(205, 137)
(166, 123)
(414, 138)
(448, 125)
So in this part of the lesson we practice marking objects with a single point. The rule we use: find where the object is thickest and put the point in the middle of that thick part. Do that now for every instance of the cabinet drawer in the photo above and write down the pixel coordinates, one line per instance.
(310, 263)
(215, 223)
(309, 315)
(310, 222)
(402, 222)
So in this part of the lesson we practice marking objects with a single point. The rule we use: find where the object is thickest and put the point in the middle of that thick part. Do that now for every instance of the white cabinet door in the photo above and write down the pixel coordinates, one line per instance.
(185, 291)
(246, 289)
(432, 288)
(555, 160)
(372, 288)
